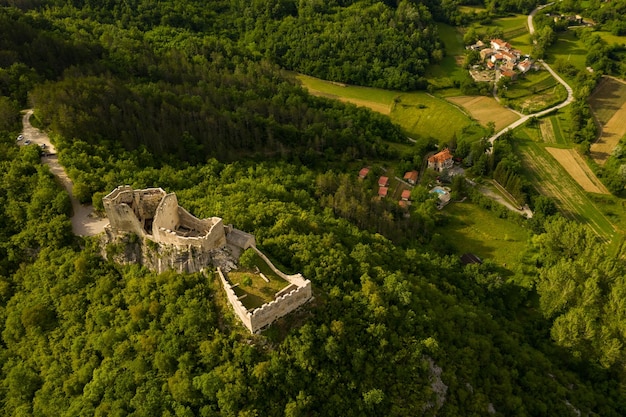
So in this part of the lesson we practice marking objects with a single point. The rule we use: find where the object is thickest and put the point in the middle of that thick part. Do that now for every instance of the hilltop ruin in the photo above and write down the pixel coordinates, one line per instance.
(149, 227)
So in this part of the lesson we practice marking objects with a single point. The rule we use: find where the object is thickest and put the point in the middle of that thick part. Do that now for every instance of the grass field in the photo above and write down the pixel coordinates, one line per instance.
(376, 99)
(485, 110)
(612, 39)
(444, 74)
(473, 229)
(569, 48)
(420, 114)
(552, 180)
(536, 91)
(608, 103)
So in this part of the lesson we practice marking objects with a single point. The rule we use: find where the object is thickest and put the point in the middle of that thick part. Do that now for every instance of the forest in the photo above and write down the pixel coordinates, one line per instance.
(200, 99)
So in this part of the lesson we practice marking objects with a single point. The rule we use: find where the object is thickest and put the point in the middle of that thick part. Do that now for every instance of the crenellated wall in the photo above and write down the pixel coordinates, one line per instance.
(241, 311)
(263, 316)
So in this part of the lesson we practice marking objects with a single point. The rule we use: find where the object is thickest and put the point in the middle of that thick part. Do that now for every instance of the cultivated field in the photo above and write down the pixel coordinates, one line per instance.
(535, 92)
(547, 131)
(578, 169)
(485, 110)
(551, 179)
(608, 103)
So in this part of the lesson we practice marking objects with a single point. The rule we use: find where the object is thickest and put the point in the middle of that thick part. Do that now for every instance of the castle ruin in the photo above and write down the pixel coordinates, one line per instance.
(169, 237)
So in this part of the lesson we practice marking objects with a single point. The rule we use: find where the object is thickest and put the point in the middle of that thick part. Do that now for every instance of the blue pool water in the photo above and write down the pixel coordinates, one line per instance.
(439, 190)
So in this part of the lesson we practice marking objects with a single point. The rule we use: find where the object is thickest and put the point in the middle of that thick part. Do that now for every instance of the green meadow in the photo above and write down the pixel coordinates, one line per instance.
(470, 228)
(418, 113)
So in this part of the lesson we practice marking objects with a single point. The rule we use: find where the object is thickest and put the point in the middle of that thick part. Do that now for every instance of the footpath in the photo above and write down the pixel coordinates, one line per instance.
(85, 222)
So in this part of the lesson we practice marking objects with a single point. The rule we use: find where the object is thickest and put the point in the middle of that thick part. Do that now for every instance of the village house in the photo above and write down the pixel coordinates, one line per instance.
(406, 195)
(363, 173)
(440, 161)
(383, 181)
(411, 177)
(382, 191)
(499, 44)
(524, 66)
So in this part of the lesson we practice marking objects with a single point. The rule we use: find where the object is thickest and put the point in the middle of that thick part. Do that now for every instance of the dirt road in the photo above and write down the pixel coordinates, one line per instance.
(84, 221)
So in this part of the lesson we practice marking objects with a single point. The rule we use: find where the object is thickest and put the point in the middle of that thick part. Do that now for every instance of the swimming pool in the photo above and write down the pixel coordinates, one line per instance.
(439, 191)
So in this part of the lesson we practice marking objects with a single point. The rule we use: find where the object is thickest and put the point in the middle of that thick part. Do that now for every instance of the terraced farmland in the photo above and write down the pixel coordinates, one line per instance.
(571, 199)
(608, 103)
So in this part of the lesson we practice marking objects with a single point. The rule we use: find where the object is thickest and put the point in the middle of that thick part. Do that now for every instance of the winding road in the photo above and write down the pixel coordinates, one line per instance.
(84, 221)
(570, 92)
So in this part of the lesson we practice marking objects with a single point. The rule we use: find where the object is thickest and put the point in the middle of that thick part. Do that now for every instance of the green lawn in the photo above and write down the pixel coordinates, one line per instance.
(257, 291)
(568, 48)
(470, 228)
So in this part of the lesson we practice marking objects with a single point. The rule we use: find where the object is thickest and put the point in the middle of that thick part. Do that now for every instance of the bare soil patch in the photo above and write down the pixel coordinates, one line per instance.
(377, 107)
(485, 110)
(578, 169)
(547, 132)
(608, 103)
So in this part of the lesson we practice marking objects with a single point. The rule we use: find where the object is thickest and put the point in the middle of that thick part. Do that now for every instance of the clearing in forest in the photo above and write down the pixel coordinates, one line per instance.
(551, 179)
(485, 110)
(375, 99)
(578, 169)
(608, 103)
(470, 228)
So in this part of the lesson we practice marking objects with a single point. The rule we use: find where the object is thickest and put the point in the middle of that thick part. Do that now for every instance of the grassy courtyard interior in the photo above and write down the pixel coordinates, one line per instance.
(250, 283)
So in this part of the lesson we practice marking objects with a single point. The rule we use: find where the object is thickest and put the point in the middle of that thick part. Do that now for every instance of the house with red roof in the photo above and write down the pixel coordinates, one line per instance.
(441, 160)
(363, 172)
(411, 177)
(382, 191)
(524, 66)
(499, 44)
(383, 182)
(406, 195)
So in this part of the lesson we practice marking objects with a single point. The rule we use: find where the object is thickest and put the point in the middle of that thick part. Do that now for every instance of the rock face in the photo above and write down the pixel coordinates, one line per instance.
(128, 248)
(150, 228)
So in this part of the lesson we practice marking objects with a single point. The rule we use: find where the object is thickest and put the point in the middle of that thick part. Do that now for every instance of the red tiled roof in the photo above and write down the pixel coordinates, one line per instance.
(403, 203)
(383, 181)
(411, 176)
(441, 156)
(363, 172)
(382, 191)
(508, 73)
(406, 195)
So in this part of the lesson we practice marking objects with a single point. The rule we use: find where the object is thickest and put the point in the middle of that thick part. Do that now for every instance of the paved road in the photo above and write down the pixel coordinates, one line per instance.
(84, 220)
(570, 92)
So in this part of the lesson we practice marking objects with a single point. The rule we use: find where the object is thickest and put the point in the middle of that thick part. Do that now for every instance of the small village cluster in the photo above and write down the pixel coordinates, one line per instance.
(501, 57)
(438, 162)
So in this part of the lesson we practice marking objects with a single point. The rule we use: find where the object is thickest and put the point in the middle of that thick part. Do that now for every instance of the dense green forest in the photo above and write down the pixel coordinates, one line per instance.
(195, 98)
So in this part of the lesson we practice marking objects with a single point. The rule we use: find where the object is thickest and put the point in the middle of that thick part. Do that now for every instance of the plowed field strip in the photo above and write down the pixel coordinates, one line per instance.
(578, 169)
(485, 110)
(552, 180)
(546, 131)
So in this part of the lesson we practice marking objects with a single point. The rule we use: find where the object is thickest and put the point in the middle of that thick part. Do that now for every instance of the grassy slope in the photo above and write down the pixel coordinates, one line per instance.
(418, 113)
(443, 74)
(473, 229)
(569, 48)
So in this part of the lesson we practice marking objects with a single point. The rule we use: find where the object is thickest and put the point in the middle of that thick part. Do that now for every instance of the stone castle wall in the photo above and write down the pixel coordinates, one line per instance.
(241, 311)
